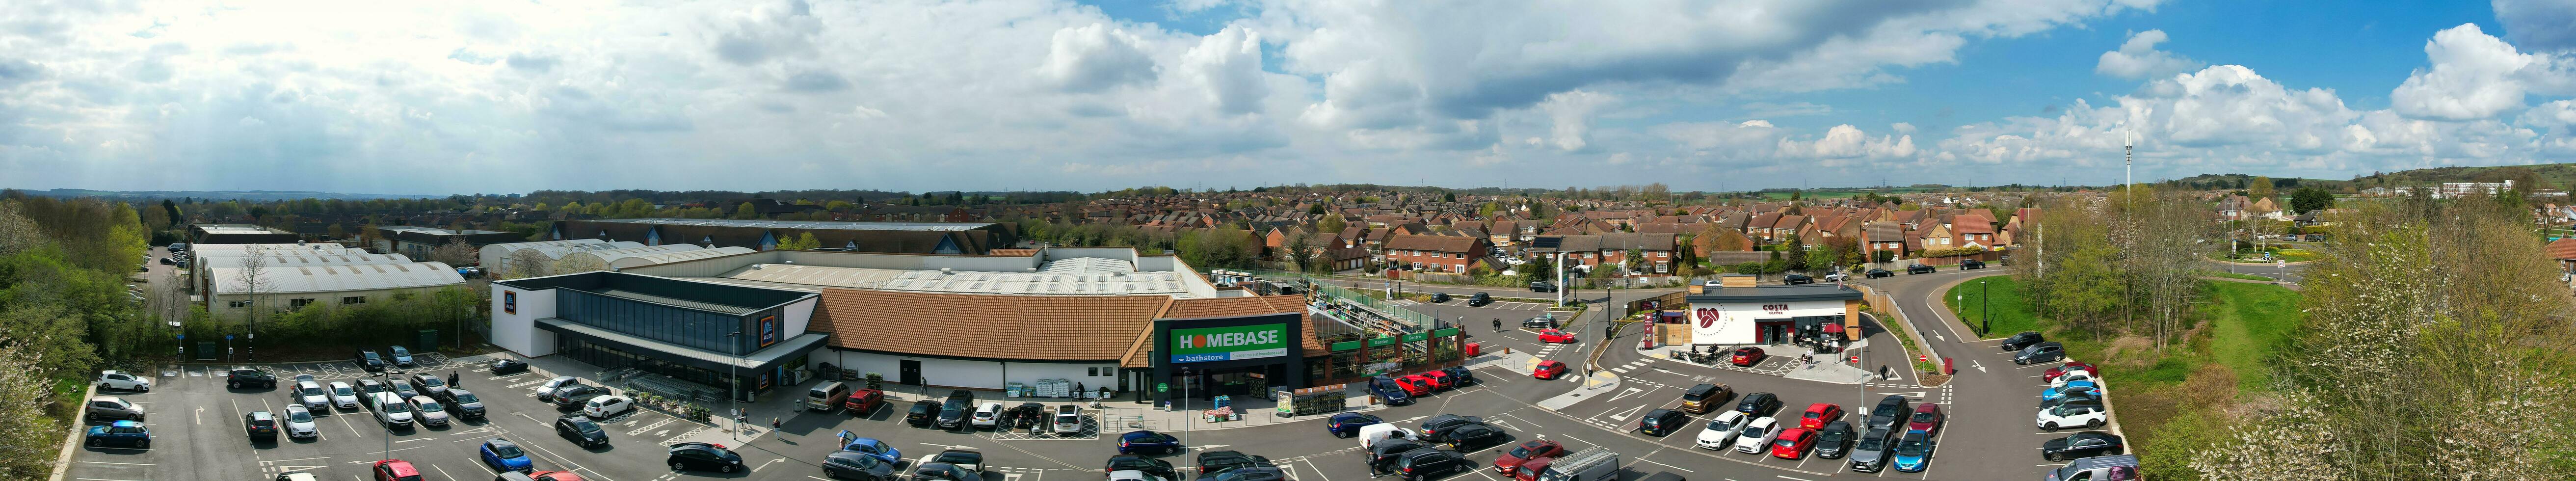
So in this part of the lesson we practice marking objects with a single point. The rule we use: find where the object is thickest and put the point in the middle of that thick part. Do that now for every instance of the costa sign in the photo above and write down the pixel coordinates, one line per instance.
(1708, 317)
(1775, 308)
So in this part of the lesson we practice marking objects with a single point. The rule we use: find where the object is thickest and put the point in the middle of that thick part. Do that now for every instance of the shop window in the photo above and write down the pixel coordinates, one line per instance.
(237, 304)
(353, 300)
(1095, 372)
(298, 303)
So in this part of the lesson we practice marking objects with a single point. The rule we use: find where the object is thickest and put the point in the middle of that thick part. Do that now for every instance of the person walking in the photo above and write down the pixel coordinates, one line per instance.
(1498, 324)
(451, 380)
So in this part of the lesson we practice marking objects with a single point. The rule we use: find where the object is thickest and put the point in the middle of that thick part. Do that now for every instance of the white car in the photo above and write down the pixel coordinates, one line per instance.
(1371, 433)
(987, 414)
(299, 422)
(391, 411)
(1068, 420)
(604, 407)
(310, 395)
(1757, 435)
(1837, 277)
(2087, 415)
(122, 380)
(343, 396)
(1133, 475)
(1721, 431)
(2072, 376)
(429, 411)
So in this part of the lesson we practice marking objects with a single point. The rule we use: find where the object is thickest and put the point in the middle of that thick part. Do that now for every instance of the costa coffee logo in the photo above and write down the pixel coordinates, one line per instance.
(1708, 317)
(1775, 308)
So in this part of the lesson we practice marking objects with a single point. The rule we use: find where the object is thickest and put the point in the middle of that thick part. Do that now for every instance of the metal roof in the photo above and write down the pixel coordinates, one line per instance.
(339, 278)
(438, 231)
(807, 224)
(1076, 276)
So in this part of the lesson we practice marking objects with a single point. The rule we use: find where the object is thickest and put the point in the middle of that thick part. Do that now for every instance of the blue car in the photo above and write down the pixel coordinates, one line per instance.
(1913, 452)
(1385, 388)
(503, 455)
(2070, 387)
(875, 449)
(123, 433)
(1348, 424)
(1148, 441)
(402, 357)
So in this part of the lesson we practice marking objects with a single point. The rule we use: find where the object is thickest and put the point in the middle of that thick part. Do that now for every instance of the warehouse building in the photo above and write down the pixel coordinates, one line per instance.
(884, 237)
(237, 291)
(418, 242)
(501, 260)
(200, 234)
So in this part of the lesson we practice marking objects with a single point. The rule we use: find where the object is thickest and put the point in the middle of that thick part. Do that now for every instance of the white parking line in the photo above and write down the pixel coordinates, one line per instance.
(127, 464)
(98, 479)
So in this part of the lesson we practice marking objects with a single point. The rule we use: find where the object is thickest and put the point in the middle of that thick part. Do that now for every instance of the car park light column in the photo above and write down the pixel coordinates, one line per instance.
(733, 382)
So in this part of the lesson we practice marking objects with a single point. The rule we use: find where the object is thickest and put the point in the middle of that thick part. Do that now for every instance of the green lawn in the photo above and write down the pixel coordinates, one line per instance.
(2251, 322)
(2232, 275)
(2011, 314)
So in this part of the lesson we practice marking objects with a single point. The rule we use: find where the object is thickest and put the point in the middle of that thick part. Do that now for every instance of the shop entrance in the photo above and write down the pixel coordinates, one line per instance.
(1249, 381)
(1772, 331)
(911, 372)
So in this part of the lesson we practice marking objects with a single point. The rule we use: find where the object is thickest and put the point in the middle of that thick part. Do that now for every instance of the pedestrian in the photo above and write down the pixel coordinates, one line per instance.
(451, 380)
(1498, 324)
(773, 424)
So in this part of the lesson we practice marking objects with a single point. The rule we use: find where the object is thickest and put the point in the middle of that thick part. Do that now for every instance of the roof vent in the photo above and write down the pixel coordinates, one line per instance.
(947, 271)
(791, 262)
(756, 266)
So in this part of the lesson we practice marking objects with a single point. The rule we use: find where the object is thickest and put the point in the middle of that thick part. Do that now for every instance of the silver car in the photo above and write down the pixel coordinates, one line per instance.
(1871, 453)
(428, 411)
(546, 392)
(299, 422)
(310, 395)
(343, 396)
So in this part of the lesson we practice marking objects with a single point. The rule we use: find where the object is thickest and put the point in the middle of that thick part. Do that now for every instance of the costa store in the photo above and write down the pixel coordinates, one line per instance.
(1772, 314)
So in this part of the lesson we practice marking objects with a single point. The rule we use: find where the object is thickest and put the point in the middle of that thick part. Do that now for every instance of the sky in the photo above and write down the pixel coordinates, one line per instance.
(917, 95)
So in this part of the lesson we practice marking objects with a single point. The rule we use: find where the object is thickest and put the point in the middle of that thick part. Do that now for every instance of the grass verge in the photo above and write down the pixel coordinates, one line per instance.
(2234, 275)
(1973, 300)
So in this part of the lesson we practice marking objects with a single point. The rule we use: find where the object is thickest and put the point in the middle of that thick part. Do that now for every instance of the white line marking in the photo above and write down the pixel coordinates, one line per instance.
(127, 464)
(1665, 465)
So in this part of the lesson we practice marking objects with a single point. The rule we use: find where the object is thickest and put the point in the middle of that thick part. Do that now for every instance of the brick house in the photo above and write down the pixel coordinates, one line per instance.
(1656, 249)
(1436, 253)
(1876, 237)
(1972, 230)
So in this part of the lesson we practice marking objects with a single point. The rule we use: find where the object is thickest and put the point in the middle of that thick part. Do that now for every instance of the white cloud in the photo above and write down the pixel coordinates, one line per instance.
(1848, 142)
(1571, 114)
(1228, 65)
(1095, 57)
(2138, 58)
(2476, 76)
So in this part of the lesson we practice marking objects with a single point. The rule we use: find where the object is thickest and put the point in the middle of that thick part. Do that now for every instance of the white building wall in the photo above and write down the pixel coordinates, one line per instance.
(518, 331)
(1733, 323)
(972, 374)
(799, 314)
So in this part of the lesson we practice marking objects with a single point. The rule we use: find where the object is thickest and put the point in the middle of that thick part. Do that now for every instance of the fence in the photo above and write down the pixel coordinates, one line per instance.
(1417, 321)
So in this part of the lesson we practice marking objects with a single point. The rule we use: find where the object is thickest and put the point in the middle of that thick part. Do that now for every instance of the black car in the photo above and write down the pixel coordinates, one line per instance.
(1918, 269)
(1662, 421)
(1475, 436)
(580, 430)
(1139, 462)
(1439, 297)
(1256, 473)
(2022, 340)
(464, 402)
(1758, 404)
(1465, 377)
(1542, 287)
(922, 414)
(1972, 264)
(943, 472)
(242, 376)
(1436, 428)
(1539, 322)
(1835, 440)
(573, 396)
(1480, 299)
(508, 366)
(1423, 464)
(2082, 445)
(260, 425)
(704, 457)
(1878, 273)
(2039, 353)
(369, 359)
(1796, 279)
(856, 466)
(1029, 414)
(952, 414)
(1385, 452)
(1890, 410)
(1212, 463)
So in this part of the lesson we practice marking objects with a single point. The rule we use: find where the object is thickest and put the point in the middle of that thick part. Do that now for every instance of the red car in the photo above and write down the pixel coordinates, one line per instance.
(1415, 385)
(1529, 469)
(1927, 417)
(1748, 356)
(1511, 461)
(1555, 336)
(396, 470)
(1793, 443)
(1442, 380)
(2071, 366)
(554, 476)
(1820, 414)
(1549, 370)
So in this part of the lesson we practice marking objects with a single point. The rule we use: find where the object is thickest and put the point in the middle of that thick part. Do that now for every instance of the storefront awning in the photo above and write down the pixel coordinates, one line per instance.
(762, 359)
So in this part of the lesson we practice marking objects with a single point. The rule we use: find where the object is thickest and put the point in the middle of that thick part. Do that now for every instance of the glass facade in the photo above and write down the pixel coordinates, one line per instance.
(610, 357)
(676, 325)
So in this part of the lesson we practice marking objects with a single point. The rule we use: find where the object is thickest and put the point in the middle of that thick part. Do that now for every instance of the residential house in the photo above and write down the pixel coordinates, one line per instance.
(1890, 237)
(1435, 253)
(1972, 230)
(1656, 251)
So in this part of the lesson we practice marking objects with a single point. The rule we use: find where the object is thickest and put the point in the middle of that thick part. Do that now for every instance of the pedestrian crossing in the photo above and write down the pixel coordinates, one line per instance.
(1638, 364)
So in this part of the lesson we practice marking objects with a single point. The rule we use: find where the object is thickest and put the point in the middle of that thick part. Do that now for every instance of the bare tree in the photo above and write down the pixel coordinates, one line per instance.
(579, 262)
(456, 253)
(252, 280)
(526, 263)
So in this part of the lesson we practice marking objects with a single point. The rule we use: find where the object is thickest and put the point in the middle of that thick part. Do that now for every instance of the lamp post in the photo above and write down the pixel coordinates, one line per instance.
(380, 401)
(733, 382)
(1983, 293)
(1188, 421)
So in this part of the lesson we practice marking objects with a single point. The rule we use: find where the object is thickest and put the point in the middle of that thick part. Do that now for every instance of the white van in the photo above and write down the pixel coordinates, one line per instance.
(1371, 433)
(827, 396)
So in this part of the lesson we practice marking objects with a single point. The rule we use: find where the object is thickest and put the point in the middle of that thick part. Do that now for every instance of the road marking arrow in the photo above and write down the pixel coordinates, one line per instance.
(1981, 367)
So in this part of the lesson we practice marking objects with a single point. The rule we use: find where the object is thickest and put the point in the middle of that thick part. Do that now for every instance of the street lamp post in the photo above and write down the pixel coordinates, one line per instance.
(733, 382)
(1188, 421)
(1985, 293)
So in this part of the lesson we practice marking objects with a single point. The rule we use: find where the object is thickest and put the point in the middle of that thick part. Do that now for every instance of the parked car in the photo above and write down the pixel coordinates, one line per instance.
(1385, 452)
(370, 360)
(1555, 336)
(1542, 287)
(2021, 340)
(1388, 389)
(1439, 298)
(1068, 420)
(343, 396)
(1870, 453)
(1136, 476)
(2082, 445)
(1421, 464)
(1918, 269)
(1889, 410)
(245, 376)
(464, 403)
(1461, 374)
(298, 422)
(508, 366)
(1480, 299)
(122, 381)
(1441, 380)
(1793, 443)
(970, 460)
(1431, 428)
(703, 457)
(1972, 264)
(546, 392)
(2075, 389)
(1834, 440)
(1927, 418)
(2087, 415)
(875, 448)
(952, 414)
(1818, 414)
(428, 384)
(2064, 379)
(403, 388)
(2071, 366)
(863, 401)
(1722, 430)
(393, 412)
(2122, 467)
(604, 407)
(309, 394)
(396, 470)
(1758, 404)
(943, 472)
(368, 389)
(1255, 473)
(1757, 435)
(1548, 370)
(1796, 279)
(986, 416)
(503, 455)
(103, 408)
(1705, 397)
(401, 356)
(1416, 385)
(855, 466)
(1511, 460)
(122, 433)
(581, 431)
(923, 413)
(1144, 441)
(428, 411)
(260, 425)
(1747, 356)
(1878, 273)
(1345, 425)
(1212, 463)
(1132, 462)
(571, 397)
(1662, 422)
(2039, 353)
(1913, 452)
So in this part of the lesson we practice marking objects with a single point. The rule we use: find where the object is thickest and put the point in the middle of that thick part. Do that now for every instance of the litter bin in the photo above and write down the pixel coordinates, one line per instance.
(1474, 348)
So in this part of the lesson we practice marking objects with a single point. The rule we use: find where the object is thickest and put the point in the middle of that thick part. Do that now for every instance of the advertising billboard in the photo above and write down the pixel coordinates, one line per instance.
(1229, 343)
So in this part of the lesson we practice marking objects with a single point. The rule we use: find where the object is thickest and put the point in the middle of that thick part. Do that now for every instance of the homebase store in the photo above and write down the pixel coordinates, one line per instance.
(1204, 357)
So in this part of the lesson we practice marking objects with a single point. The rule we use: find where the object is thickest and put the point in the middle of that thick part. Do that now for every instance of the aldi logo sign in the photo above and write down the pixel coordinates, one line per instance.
(1229, 343)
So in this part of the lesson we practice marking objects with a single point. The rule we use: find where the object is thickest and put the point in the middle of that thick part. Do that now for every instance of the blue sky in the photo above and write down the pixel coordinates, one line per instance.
(1051, 94)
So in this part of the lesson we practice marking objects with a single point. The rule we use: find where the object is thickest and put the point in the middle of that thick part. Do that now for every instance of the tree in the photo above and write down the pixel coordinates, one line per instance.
(2259, 188)
(28, 441)
(525, 263)
(1331, 223)
(1796, 258)
(1301, 249)
(579, 262)
(802, 242)
(1315, 209)
(455, 253)
(2311, 199)
(253, 280)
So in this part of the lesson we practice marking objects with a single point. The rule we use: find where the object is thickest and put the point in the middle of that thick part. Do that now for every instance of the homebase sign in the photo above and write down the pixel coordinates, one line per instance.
(1229, 343)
